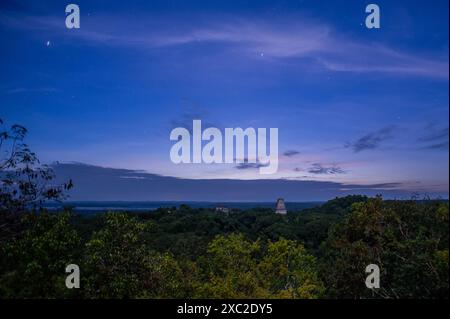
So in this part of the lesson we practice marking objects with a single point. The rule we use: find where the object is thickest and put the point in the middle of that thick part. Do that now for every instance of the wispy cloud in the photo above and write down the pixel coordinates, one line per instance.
(247, 165)
(372, 140)
(191, 111)
(322, 169)
(437, 146)
(21, 90)
(290, 153)
(250, 38)
(435, 138)
(435, 134)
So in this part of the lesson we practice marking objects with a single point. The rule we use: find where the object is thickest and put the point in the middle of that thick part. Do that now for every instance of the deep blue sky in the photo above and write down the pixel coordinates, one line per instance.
(353, 105)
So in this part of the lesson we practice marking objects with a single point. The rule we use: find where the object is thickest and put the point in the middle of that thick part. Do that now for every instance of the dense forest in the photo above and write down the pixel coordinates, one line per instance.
(184, 252)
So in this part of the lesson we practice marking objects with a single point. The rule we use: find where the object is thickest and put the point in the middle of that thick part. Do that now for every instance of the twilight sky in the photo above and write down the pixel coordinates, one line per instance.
(353, 106)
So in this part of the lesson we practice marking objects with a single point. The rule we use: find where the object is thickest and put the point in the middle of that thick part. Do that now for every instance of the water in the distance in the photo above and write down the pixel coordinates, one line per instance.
(99, 206)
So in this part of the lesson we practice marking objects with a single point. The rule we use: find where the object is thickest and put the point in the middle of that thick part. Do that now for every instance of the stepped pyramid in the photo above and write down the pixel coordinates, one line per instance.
(281, 207)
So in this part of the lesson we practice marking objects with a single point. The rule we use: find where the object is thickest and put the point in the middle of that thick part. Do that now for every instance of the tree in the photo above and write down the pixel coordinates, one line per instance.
(238, 268)
(25, 183)
(164, 277)
(117, 263)
(114, 257)
(288, 271)
(229, 269)
(408, 240)
(33, 264)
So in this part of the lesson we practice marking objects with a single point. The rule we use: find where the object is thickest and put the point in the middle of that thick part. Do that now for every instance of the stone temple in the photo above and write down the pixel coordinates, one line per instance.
(281, 207)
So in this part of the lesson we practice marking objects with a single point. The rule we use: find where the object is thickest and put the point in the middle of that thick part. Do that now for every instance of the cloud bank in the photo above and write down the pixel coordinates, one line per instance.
(94, 183)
